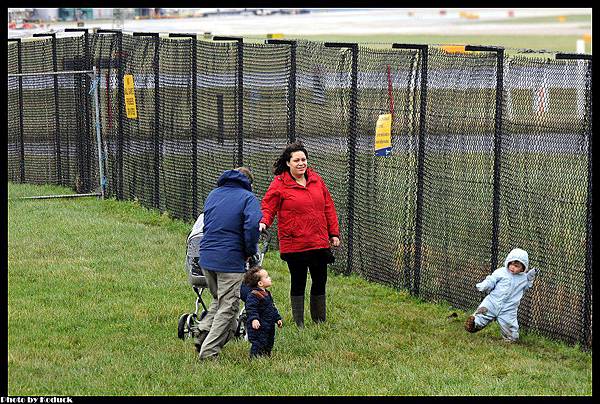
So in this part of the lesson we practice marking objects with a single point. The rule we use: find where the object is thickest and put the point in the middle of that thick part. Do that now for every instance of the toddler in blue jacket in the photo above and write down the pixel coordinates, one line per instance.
(261, 311)
(505, 288)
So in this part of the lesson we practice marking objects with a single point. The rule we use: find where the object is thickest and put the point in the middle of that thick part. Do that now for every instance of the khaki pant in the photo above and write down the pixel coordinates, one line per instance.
(221, 319)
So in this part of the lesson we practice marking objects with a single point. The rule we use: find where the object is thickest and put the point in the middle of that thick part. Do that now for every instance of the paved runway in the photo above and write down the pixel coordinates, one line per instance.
(358, 22)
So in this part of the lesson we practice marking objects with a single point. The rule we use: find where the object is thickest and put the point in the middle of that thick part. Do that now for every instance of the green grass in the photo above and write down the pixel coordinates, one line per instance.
(95, 289)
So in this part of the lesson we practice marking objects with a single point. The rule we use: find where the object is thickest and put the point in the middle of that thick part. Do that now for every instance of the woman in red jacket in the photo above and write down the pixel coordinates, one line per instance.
(307, 227)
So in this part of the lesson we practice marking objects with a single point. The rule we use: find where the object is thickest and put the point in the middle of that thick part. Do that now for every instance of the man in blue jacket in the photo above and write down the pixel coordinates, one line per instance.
(231, 217)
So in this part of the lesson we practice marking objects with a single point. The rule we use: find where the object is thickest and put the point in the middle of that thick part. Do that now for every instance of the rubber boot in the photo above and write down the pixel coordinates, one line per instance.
(298, 310)
(317, 308)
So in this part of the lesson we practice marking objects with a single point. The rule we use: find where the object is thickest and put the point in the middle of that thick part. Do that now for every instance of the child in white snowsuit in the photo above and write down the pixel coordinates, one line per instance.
(505, 288)
(261, 311)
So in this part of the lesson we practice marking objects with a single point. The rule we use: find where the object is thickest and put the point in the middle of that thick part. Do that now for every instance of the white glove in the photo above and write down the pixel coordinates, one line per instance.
(532, 273)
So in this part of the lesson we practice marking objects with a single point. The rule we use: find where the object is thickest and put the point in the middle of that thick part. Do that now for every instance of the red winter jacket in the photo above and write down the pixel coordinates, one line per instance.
(305, 215)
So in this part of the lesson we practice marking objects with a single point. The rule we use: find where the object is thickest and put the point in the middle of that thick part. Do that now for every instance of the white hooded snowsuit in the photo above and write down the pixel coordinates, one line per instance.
(505, 292)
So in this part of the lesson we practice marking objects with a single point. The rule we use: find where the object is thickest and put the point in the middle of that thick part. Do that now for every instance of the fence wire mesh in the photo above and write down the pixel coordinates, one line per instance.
(323, 122)
(14, 107)
(49, 131)
(488, 152)
(544, 188)
(458, 176)
(106, 56)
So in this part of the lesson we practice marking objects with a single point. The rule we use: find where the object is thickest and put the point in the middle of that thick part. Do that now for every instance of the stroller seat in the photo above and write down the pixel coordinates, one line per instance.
(196, 277)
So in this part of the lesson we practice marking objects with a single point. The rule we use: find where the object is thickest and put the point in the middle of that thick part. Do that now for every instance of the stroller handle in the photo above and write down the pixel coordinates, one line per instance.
(265, 238)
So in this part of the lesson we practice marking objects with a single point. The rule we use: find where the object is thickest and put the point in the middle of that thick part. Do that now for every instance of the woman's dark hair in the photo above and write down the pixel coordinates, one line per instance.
(280, 166)
(252, 277)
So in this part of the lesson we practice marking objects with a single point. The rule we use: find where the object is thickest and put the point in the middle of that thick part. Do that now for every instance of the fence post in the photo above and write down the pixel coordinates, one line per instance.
(240, 93)
(194, 38)
(352, 135)
(497, 146)
(56, 112)
(424, 49)
(291, 87)
(157, 137)
(21, 132)
(586, 335)
(83, 154)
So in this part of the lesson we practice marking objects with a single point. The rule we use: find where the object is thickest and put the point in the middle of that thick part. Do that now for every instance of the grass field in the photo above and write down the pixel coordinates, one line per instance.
(95, 289)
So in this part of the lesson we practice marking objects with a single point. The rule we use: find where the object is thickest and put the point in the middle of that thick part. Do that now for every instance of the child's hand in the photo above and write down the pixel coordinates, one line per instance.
(279, 323)
(255, 324)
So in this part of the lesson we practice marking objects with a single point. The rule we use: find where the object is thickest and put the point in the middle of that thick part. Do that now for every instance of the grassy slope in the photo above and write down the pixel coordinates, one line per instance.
(96, 288)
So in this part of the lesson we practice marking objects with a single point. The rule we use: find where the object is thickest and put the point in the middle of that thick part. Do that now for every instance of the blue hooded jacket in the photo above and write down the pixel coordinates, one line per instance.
(231, 217)
(505, 289)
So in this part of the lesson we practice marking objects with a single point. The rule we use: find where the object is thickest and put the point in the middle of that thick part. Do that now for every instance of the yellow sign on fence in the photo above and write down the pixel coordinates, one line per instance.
(383, 135)
(130, 107)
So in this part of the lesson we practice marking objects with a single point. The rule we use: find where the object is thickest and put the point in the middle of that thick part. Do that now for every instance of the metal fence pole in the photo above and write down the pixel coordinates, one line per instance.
(96, 84)
(497, 146)
(291, 86)
(240, 94)
(21, 125)
(194, 84)
(352, 137)
(56, 112)
(424, 50)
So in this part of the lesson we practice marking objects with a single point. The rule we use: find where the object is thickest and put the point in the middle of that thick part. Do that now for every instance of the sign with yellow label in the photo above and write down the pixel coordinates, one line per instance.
(383, 135)
(130, 107)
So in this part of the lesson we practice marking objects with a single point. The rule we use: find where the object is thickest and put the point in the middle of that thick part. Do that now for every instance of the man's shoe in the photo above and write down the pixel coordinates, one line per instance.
(199, 338)
(208, 358)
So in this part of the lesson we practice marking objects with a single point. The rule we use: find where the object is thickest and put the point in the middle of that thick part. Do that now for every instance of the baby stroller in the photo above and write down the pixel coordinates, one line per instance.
(188, 322)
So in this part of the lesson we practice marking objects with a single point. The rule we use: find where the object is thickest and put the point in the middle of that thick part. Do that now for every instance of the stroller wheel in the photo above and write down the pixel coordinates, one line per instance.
(190, 323)
(182, 327)
(240, 332)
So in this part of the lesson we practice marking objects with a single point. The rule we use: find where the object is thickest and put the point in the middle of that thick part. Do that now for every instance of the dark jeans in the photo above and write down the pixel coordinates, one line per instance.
(300, 263)
(262, 340)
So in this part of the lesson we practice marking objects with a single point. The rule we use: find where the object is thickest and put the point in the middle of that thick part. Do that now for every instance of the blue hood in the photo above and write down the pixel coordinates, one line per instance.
(520, 255)
(234, 176)
(231, 217)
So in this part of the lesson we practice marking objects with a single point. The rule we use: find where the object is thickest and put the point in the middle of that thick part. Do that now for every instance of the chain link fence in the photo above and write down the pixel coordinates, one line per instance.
(489, 152)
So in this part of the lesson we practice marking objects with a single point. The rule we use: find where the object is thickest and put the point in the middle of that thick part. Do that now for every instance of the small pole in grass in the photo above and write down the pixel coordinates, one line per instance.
(96, 83)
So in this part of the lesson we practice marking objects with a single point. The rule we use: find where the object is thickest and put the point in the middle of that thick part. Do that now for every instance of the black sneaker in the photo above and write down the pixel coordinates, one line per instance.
(199, 338)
